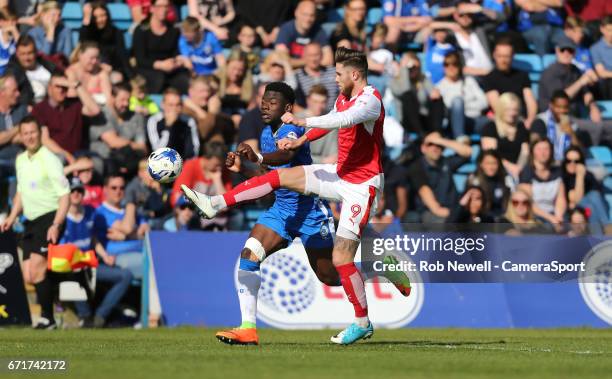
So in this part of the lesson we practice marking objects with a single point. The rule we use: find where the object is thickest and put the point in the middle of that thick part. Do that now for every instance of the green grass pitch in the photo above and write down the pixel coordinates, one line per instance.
(177, 353)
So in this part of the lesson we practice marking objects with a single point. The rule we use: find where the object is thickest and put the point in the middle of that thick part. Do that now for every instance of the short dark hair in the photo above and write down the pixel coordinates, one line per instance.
(352, 58)
(559, 94)
(215, 149)
(25, 40)
(112, 175)
(284, 89)
(504, 41)
(318, 89)
(171, 91)
(123, 86)
(29, 119)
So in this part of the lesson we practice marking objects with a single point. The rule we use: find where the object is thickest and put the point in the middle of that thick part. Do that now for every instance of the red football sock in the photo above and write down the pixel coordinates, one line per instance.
(352, 281)
(253, 188)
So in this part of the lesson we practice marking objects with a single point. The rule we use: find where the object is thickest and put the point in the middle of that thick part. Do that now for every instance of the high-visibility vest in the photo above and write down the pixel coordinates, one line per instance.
(68, 257)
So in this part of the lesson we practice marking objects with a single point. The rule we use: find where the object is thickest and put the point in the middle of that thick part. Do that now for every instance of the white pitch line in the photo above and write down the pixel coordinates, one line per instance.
(522, 350)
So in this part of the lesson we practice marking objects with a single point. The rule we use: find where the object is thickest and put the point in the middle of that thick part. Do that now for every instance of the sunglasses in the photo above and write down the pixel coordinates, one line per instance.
(516, 203)
(78, 190)
(567, 50)
(117, 188)
(567, 161)
(185, 206)
(449, 64)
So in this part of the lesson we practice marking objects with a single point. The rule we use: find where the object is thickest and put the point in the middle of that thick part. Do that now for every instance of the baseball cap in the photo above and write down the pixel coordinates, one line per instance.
(181, 201)
(75, 183)
(566, 43)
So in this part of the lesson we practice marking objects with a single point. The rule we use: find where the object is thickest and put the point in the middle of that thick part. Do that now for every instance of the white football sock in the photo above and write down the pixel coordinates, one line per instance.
(249, 281)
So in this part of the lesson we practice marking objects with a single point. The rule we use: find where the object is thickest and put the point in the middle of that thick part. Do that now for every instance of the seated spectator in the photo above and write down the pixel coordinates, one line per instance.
(564, 75)
(140, 102)
(542, 180)
(381, 63)
(169, 128)
(473, 208)
(592, 12)
(87, 69)
(236, 86)
(8, 37)
(201, 51)
(463, 98)
(31, 71)
(118, 230)
(117, 136)
(396, 189)
(420, 107)
(98, 27)
(582, 189)
(94, 195)
(61, 117)
(79, 231)
(404, 20)
(578, 226)
(182, 216)
(323, 150)
(265, 16)
(313, 73)
(351, 32)
(602, 59)
(146, 194)
(11, 114)
(519, 215)
(557, 126)
(507, 135)
(431, 177)
(436, 47)
(490, 178)
(541, 23)
(52, 38)
(207, 174)
(504, 78)
(155, 47)
(247, 37)
(213, 15)
(251, 125)
(276, 67)
(295, 34)
(141, 10)
(574, 30)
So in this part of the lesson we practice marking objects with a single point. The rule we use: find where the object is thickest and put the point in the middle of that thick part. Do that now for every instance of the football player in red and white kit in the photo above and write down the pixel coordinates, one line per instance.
(356, 180)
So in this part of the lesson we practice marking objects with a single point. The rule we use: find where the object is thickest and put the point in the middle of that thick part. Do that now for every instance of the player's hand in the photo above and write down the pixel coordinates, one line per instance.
(232, 162)
(53, 233)
(289, 143)
(245, 150)
(289, 118)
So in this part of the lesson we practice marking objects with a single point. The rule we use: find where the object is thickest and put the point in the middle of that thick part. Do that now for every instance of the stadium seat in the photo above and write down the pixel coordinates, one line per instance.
(467, 168)
(535, 87)
(602, 154)
(460, 182)
(157, 98)
(121, 15)
(609, 201)
(527, 62)
(607, 184)
(328, 27)
(335, 15)
(72, 15)
(606, 109)
(375, 16)
(475, 153)
(127, 40)
(74, 34)
(184, 12)
(547, 60)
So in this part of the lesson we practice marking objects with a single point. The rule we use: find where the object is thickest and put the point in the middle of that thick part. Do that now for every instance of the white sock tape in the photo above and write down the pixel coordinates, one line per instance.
(256, 248)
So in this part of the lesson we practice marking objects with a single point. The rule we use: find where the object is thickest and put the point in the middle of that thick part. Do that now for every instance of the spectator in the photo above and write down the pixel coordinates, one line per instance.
(155, 47)
(276, 67)
(201, 50)
(146, 194)
(119, 229)
(582, 189)
(542, 179)
(213, 15)
(140, 102)
(504, 78)
(313, 73)
(8, 37)
(602, 58)
(431, 177)
(490, 178)
(421, 109)
(42, 195)
(396, 189)
(463, 98)
(94, 195)
(404, 20)
(117, 137)
(351, 32)
(384, 222)
(251, 125)
(507, 135)
(52, 38)
(323, 150)
(519, 215)
(436, 47)
(574, 30)
(541, 23)
(86, 69)
(31, 71)
(61, 117)
(578, 219)
(11, 114)
(381, 65)
(473, 208)
(247, 37)
(142, 9)
(97, 27)
(294, 35)
(236, 86)
(591, 11)
(79, 231)
(182, 216)
(265, 16)
(207, 174)
(556, 125)
(169, 129)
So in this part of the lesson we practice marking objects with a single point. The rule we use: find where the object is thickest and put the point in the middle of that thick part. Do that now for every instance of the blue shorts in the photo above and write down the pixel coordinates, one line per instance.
(315, 228)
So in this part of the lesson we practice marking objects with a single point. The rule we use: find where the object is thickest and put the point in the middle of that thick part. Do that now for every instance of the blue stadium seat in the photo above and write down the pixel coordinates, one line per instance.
(121, 15)
(609, 201)
(127, 40)
(607, 184)
(527, 62)
(475, 153)
(72, 15)
(535, 77)
(335, 15)
(74, 34)
(460, 182)
(467, 168)
(535, 87)
(375, 16)
(157, 98)
(602, 154)
(548, 59)
(184, 12)
(328, 27)
(475, 138)
(606, 109)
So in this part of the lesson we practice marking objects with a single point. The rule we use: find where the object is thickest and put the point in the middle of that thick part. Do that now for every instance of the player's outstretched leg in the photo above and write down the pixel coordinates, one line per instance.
(398, 278)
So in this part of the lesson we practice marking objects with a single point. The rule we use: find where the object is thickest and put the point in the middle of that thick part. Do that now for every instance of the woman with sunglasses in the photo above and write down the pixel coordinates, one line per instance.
(582, 189)
(542, 179)
(464, 99)
(519, 218)
(491, 177)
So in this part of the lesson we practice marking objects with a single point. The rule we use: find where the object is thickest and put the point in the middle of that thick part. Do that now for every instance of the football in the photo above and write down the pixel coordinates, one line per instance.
(165, 164)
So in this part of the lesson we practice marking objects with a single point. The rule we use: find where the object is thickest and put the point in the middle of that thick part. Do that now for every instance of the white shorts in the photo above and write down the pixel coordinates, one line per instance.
(359, 201)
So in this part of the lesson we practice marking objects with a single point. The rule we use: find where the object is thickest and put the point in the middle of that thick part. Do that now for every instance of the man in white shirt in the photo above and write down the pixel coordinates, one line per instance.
(32, 73)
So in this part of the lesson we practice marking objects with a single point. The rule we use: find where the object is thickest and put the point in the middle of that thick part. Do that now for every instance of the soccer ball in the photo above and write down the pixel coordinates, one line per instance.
(165, 164)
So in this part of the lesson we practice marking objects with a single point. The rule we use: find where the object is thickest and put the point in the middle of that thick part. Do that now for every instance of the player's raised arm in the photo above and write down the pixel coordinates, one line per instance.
(367, 108)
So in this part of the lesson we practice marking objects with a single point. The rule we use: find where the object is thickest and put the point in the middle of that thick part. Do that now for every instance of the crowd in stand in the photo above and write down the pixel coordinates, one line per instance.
(193, 82)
